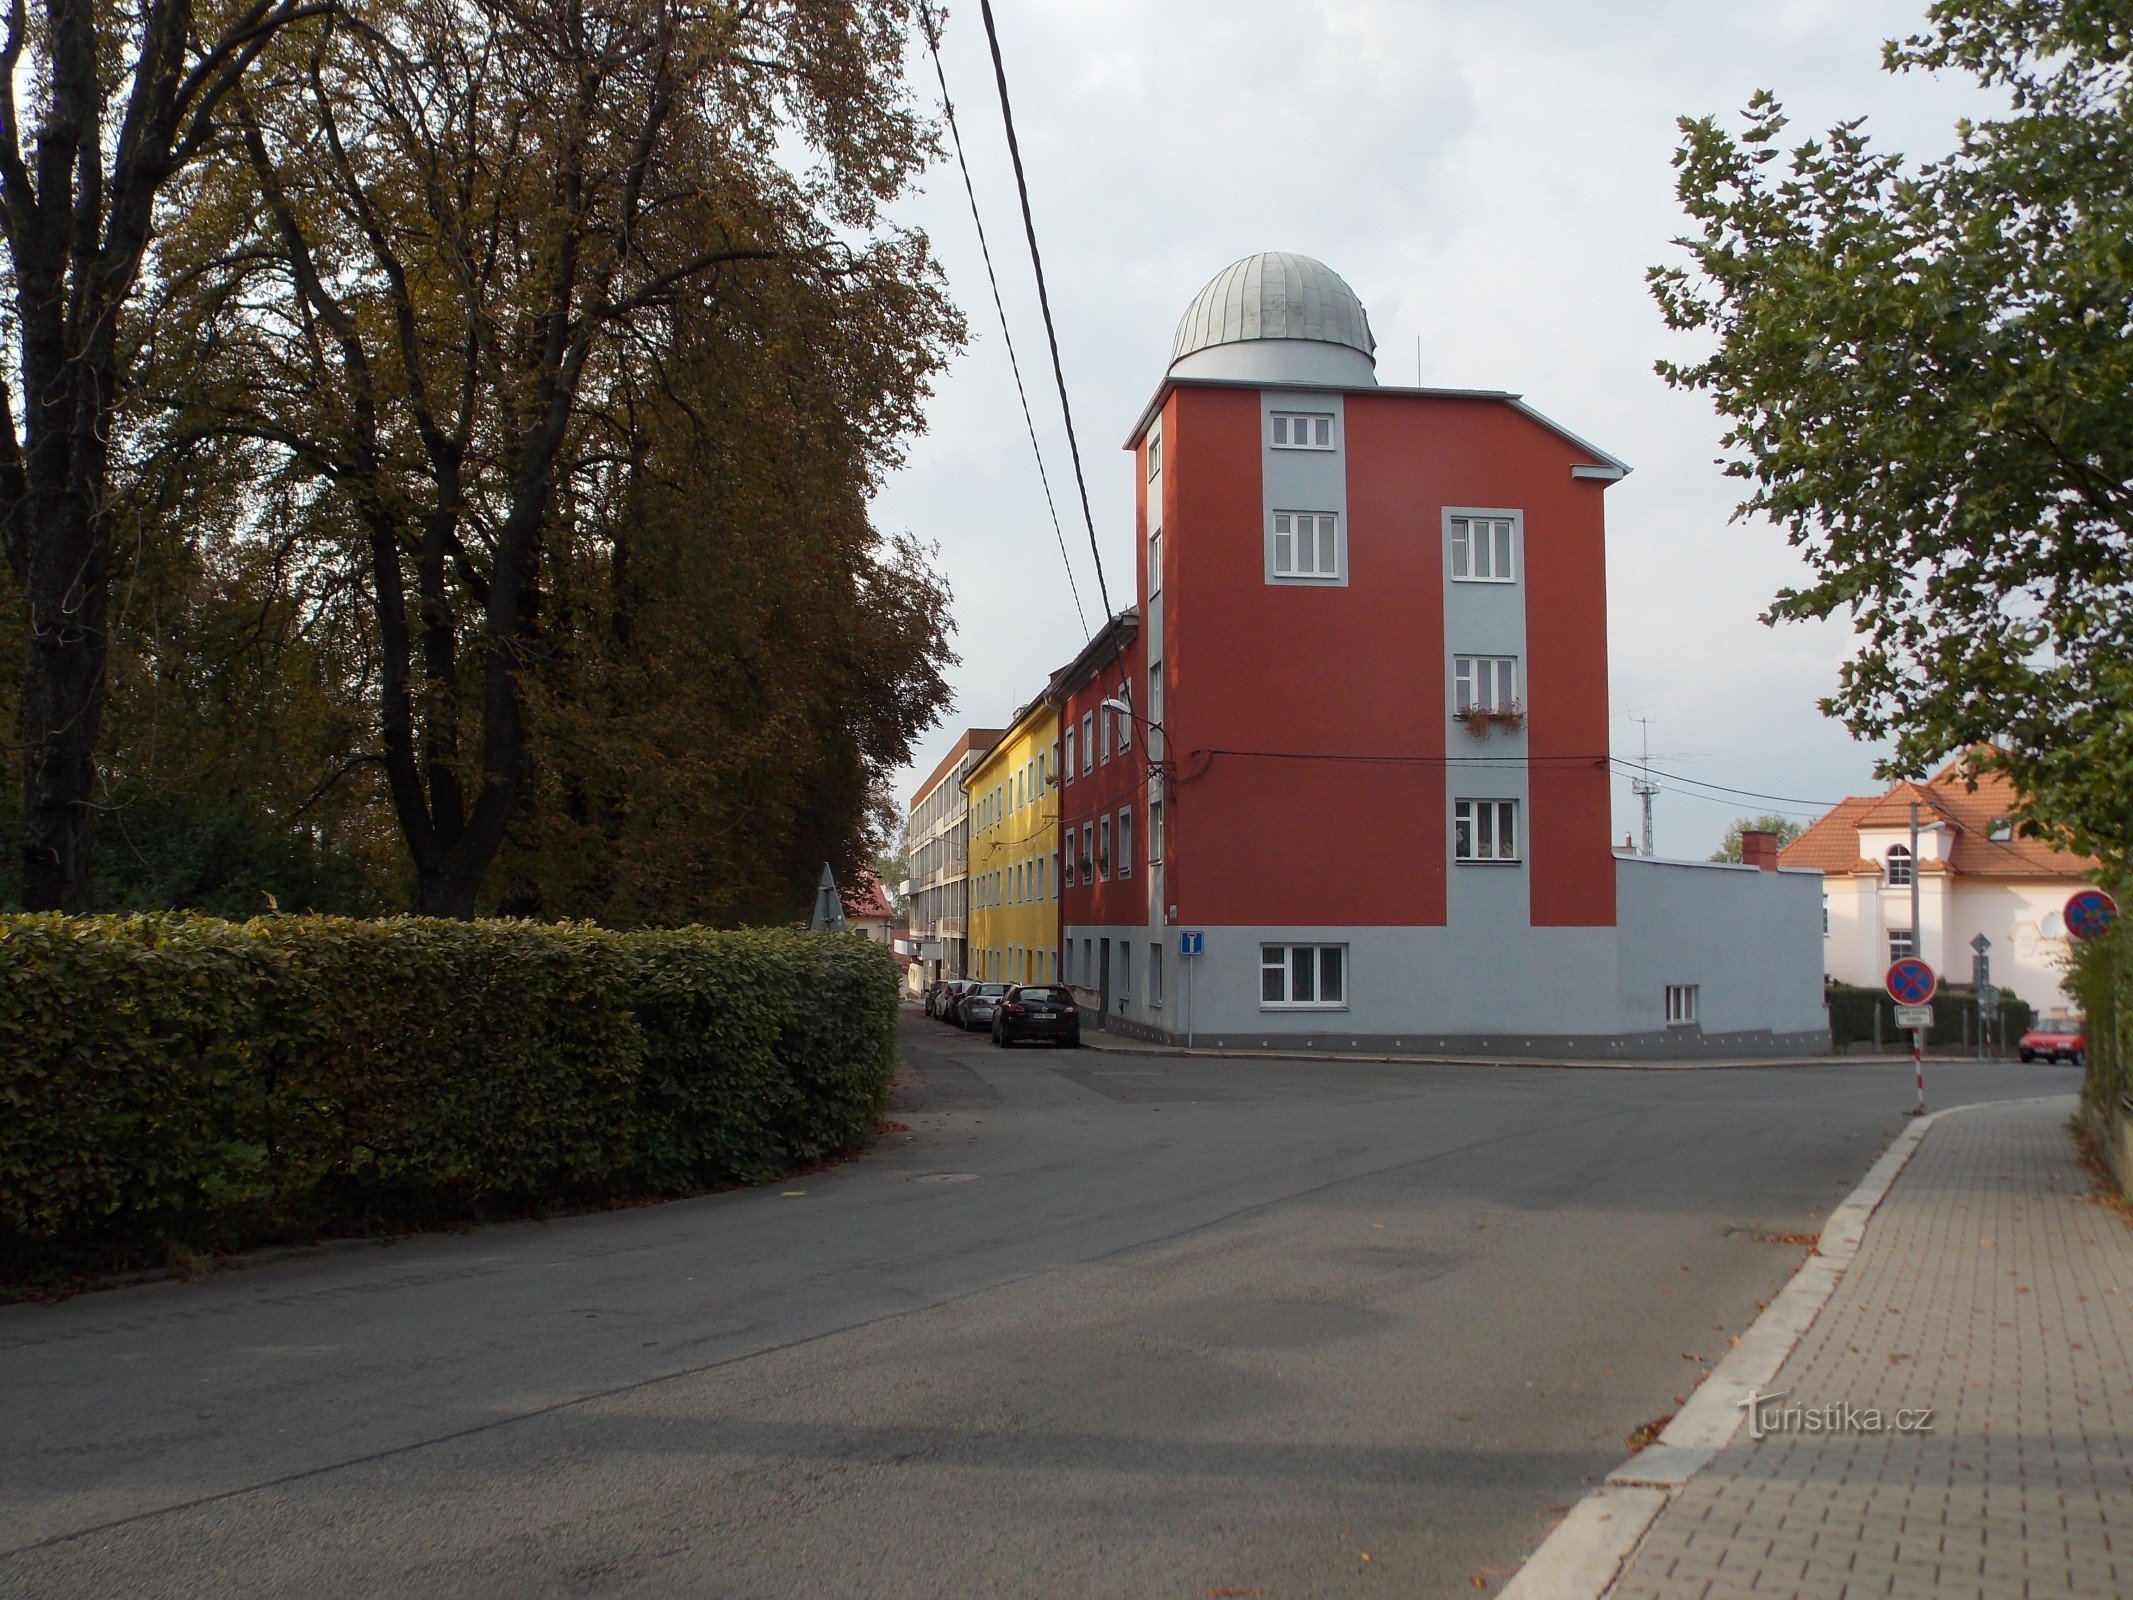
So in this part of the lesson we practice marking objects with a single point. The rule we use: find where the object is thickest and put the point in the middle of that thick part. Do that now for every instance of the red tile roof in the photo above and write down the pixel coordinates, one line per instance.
(1831, 844)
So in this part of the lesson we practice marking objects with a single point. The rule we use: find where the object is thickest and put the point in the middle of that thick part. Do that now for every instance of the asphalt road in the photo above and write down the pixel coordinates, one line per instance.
(1095, 1325)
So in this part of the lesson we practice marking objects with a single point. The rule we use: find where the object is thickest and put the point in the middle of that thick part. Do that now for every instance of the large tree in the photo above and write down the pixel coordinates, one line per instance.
(454, 256)
(1926, 371)
(100, 107)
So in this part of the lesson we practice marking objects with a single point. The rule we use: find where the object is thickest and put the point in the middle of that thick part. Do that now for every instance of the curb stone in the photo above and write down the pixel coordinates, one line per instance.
(1581, 1559)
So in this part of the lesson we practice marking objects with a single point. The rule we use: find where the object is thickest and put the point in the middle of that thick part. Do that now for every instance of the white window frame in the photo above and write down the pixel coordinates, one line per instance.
(1466, 816)
(1903, 944)
(1088, 743)
(1155, 561)
(1155, 831)
(1683, 1001)
(1459, 544)
(1066, 860)
(1066, 765)
(1124, 719)
(1284, 525)
(1088, 852)
(1891, 878)
(1155, 974)
(1319, 430)
(1155, 454)
(1498, 673)
(1123, 841)
(1282, 958)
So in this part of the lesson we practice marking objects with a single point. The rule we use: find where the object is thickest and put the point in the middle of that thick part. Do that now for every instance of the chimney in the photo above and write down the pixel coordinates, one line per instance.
(1759, 849)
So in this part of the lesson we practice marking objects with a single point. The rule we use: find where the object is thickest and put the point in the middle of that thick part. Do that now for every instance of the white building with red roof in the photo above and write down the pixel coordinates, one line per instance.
(1976, 874)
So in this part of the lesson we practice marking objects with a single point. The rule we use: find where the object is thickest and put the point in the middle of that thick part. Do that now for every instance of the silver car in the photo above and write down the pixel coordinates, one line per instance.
(980, 1005)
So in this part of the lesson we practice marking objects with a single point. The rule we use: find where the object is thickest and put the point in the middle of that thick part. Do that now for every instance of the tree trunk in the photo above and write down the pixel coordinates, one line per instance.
(66, 584)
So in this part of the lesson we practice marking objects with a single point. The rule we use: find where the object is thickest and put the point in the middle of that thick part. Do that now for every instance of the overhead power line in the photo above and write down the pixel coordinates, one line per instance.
(1044, 299)
(930, 25)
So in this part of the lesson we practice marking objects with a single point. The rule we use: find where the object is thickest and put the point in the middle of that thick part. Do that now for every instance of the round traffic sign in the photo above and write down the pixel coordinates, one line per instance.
(2089, 912)
(1910, 982)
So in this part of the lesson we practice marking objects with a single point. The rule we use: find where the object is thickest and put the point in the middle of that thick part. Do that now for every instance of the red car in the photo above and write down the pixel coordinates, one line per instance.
(2054, 1039)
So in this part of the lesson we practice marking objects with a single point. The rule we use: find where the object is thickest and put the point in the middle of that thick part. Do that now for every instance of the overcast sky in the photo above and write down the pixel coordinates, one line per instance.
(1493, 178)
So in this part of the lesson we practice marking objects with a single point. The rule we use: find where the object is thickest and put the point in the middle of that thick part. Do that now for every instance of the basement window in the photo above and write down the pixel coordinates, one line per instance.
(1681, 1001)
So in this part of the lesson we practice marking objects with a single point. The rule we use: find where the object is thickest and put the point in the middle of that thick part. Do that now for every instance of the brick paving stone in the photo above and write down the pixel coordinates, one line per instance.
(1990, 1287)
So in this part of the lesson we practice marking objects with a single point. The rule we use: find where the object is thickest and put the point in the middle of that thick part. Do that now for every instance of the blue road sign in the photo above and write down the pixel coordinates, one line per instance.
(1910, 982)
(2089, 912)
(1191, 941)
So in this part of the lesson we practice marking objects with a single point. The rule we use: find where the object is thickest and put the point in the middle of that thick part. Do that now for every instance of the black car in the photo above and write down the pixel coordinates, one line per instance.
(1038, 1011)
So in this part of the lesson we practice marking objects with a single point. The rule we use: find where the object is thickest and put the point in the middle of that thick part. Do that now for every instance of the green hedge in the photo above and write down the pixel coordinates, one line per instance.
(2102, 981)
(182, 1084)
(1852, 1008)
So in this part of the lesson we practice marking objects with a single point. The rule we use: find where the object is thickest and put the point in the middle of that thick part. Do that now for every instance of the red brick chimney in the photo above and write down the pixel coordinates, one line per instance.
(1759, 849)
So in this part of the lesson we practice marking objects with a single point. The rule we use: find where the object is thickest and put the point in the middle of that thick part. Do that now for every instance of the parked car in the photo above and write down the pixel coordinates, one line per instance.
(945, 995)
(979, 1005)
(2055, 1039)
(1037, 1011)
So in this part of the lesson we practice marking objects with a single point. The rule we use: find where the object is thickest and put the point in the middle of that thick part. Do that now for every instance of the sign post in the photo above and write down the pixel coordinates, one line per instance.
(1191, 942)
(1910, 983)
(1980, 981)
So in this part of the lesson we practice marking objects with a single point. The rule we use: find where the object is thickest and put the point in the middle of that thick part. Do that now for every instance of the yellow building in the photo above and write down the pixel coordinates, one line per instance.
(1014, 852)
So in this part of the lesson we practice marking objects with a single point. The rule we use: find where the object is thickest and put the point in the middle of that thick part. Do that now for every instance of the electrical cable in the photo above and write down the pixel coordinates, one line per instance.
(1044, 299)
(929, 24)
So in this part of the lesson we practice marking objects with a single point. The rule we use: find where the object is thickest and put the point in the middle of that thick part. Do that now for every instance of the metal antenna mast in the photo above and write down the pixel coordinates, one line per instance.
(1642, 786)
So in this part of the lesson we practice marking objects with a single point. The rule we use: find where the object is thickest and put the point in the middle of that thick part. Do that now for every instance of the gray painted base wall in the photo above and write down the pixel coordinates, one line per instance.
(1750, 942)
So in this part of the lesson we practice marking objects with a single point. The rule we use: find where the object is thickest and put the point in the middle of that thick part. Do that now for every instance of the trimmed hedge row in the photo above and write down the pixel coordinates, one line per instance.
(177, 1083)
(2102, 981)
(1852, 1008)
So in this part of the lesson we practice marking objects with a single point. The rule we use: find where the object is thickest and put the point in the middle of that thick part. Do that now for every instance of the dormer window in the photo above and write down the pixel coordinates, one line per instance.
(2001, 831)
(1899, 866)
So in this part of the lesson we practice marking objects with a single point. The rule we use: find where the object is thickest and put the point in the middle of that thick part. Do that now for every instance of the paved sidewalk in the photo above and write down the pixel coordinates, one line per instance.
(1991, 1289)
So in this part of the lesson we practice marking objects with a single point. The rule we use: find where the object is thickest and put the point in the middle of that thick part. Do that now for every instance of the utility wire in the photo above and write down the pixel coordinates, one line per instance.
(1044, 299)
(930, 25)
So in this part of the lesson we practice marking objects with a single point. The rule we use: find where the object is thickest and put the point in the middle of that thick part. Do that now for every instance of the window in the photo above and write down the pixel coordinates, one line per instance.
(1155, 972)
(1490, 682)
(1088, 742)
(1125, 971)
(1054, 884)
(1303, 430)
(1482, 550)
(1104, 719)
(1485, 830)
(1825, 916)
(1125, 842)
(1306, 544)
(1303, 976)
(2000, 830)
(1088, 853)
(1066, 770)
(1899, 867)
(1125, 718)
(1681, 1005)
(1103, 847)
(1903, 944)
(1066, 862)
(1155, 695)
(1155, 830)
(1155, 562)
(1155, 454)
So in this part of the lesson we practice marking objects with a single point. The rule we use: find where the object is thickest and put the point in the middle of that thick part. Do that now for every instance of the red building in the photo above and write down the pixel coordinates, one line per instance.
(1366, 755)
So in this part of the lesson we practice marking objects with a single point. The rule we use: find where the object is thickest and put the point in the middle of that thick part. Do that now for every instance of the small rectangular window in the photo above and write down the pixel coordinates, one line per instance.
(1155, 695)
(1485, 830)
(1681, 1005)
(1088, 742)
(1125, 970)
(1155, 830)
(1155, 972)
(1088, 852)
(1903, 944)
(1483, 550)
(1303, 976)
(1125, 718)
(1066, 860)
(1125, 842)
(1066, 769)
(1306, 544)
(1303, 430)
(1490, 682)
(1155, 562)
(1155, 455)
(1103, 848)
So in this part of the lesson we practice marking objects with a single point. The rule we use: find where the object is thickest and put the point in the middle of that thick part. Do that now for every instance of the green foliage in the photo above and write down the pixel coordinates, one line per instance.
(184, 1083)
(2102, 982)
(1852, 1008)
(1924, 370)
(1785, 828)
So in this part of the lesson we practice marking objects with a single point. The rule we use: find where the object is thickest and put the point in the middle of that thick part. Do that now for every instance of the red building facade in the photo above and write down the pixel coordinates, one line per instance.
(1365, 772)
